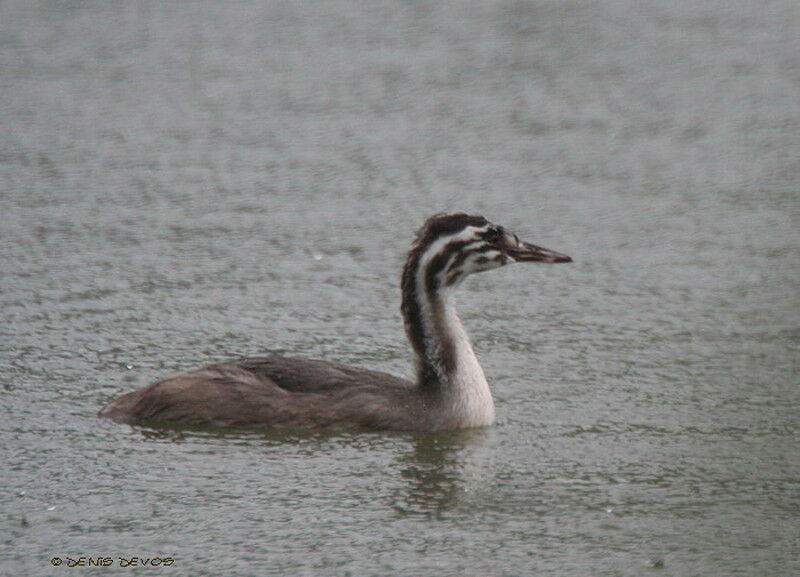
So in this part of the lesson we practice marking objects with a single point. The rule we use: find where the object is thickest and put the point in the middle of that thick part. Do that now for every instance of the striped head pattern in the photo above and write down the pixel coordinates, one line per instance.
(447, 249)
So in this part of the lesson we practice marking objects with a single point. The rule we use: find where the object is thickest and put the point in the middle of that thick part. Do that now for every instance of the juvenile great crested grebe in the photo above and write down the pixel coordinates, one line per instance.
(450, 391)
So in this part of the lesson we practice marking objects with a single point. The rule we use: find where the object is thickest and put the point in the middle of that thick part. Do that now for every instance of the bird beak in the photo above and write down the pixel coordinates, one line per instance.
(527, 252)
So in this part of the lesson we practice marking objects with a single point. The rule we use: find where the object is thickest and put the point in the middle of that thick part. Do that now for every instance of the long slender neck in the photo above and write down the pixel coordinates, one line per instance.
(445, 362)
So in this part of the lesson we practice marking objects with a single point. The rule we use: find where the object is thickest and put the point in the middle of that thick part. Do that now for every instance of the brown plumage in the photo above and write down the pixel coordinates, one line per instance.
(277, 391)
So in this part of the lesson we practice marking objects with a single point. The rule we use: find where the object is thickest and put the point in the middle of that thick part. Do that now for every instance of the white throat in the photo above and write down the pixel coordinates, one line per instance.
(469, 396)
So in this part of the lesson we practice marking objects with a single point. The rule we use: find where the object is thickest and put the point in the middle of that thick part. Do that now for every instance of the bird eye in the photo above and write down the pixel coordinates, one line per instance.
(493, 234)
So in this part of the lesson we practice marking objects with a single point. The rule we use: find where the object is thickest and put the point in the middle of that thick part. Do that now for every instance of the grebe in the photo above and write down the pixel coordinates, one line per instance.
(450, 391)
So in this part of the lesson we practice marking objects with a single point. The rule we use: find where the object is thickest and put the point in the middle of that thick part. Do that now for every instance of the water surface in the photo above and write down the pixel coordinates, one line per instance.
(189, 183)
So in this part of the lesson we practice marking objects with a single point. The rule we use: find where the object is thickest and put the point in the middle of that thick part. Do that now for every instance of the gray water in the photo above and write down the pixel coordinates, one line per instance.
(186, 183)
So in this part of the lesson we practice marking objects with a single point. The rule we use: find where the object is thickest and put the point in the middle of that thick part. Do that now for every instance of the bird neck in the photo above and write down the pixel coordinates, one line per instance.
(446, 365)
